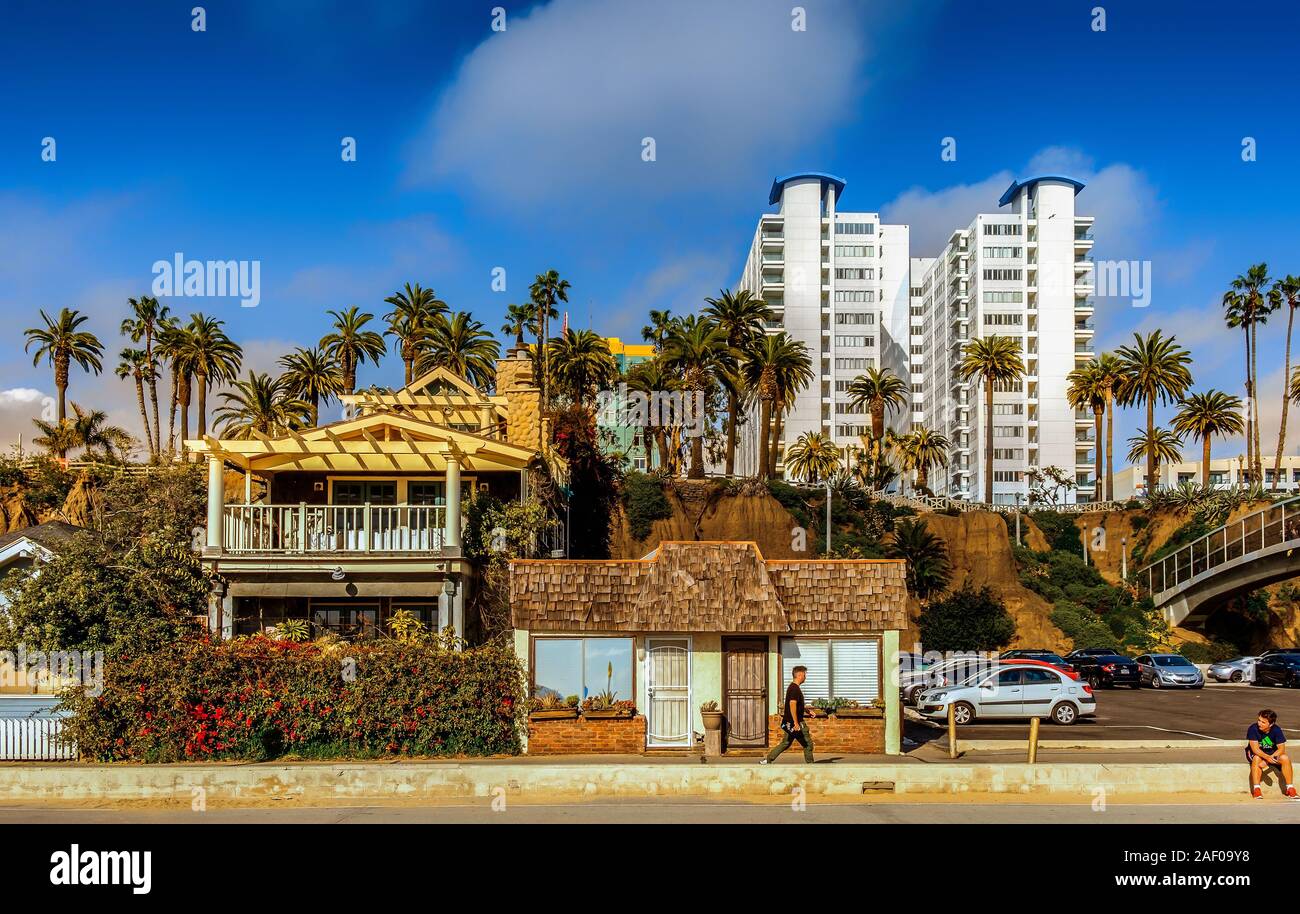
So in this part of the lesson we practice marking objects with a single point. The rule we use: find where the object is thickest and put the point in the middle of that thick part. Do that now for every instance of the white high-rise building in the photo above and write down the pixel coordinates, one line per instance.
(1027, 274)
(838, 282)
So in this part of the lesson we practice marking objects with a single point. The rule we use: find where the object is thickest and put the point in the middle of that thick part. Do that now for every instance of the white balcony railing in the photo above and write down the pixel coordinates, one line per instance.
(307, 529)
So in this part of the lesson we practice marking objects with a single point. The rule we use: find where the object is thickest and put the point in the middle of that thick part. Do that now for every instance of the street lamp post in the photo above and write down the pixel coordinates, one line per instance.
(1123, 558)
(1017, 518)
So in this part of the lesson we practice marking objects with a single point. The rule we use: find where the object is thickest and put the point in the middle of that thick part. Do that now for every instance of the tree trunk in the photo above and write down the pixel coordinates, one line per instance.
(349, 373)
(697, 457)
(144, 415)
(1110, 445)
(183, 394)
(61, 367)
(171, 412)
(877, 418)
(1286, 400)
(988, 441)
(1151, 446)
(201, 381)
(1096, 454)
(1254, 375)
(1250, 387)
(732, 406)
(777, 424)
(315, 412)
(1205, 462)
(764, 441)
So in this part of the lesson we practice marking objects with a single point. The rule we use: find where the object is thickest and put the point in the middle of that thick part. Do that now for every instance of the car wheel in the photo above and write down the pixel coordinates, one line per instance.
(1199, 685)
(1065, 714)
(1235, 677)
(1094, 681)
(1155, 682)
(962, 713)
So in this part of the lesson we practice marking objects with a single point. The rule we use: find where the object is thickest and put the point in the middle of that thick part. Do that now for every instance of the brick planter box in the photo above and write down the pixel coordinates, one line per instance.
(838, 735)
(585, 736)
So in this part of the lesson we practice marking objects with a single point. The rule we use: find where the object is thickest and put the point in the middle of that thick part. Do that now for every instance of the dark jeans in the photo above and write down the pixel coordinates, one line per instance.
(804, 739)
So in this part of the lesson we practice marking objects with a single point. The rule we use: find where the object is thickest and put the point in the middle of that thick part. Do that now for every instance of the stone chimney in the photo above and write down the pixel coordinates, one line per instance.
(523, 399)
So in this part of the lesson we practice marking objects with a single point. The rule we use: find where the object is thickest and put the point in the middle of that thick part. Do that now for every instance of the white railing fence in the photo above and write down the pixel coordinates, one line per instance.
(306, 528)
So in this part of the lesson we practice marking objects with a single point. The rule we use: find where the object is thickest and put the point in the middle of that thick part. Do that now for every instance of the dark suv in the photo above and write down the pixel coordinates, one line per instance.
(1107, 670)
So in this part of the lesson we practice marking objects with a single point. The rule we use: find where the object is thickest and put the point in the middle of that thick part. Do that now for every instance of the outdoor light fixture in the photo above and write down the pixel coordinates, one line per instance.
(449, 587)
(337, 573)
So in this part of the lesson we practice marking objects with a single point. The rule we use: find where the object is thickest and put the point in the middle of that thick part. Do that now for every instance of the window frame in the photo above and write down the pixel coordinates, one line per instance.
(879, 640)
(582, 636)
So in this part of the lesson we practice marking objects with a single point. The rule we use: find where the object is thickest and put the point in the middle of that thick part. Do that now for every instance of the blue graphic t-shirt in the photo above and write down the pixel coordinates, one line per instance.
(1269, 742)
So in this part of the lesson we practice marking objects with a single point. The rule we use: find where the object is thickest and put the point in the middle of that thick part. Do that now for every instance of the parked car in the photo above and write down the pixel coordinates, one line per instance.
(1054, 659)
(1014, 691)
(1095, 652)
(1164, 671)
(1238, 669)
(1108, 670)
(1278, 669)
(946, 672)
(1280, 650)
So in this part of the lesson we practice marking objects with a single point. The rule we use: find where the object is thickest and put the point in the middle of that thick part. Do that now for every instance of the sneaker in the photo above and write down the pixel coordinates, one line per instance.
(765, 762)
(1257, 792)
(1291, 794)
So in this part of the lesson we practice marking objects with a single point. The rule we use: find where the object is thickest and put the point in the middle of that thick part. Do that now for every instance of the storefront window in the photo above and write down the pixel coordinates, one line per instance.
(583, 666)
(837, 667)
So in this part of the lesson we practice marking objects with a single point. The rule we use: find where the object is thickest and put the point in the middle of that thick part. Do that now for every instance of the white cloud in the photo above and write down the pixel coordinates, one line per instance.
(554, 109)
(935, 215)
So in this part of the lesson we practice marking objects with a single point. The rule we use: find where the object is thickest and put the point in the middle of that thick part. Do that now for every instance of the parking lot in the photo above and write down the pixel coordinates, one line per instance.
(1214, 712)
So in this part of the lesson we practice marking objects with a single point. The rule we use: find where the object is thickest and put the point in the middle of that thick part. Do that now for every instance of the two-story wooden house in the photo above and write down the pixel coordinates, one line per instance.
(359, 518)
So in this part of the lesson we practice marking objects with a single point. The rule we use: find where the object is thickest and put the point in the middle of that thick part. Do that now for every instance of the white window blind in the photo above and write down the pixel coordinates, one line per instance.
(815, 656)
(837, 668)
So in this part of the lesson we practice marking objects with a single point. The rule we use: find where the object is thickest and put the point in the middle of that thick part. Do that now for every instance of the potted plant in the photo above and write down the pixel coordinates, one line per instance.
(825, 707)
(712, 715)
(607, 705)
(552, 707)
(851, 708)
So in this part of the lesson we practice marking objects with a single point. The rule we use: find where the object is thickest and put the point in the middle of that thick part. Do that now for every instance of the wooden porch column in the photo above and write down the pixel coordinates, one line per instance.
(216, 502)
(451, 540)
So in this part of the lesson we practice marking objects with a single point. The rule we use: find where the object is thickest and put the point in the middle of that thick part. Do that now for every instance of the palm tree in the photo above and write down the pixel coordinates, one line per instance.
(350, 345)
(211, 357)
(1155, 369)
(520, 319)
(170, 343)
(136, 364)
(776, 363)
(581, 364)
(697, 350)
(62, 343)
(260, 403)
(1284, 290)
(547, 291)
(87, 429)
(1084, 390)
(740, 316)
(813, 457)
(928, 568)
(1158, 445)
(1108, 373)
(148, 318)
(879, 389)
(650, 378)
(311, 375)
(1247, 306)
(921, 449)
(993, 360)
(414, 308)
(1205, 415)
(463, 346)
(659, 328)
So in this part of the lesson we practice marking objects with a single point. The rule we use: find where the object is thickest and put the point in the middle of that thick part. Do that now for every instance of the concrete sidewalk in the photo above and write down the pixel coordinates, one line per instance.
(1067, 775)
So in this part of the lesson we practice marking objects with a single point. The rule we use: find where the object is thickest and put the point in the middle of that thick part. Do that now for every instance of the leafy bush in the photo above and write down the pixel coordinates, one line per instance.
(1208, 653)
(645, 503)
(792, 500)
(1059, 529)
(1082, 626)
(928, 568)
(967, 620)
(257, 698)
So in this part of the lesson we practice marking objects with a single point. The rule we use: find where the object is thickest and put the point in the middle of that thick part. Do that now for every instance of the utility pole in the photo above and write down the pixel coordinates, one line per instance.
(828, 517)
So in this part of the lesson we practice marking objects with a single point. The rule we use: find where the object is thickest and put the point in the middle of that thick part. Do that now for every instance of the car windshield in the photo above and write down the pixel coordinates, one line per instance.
(1286, 658)
(1111, 658)
(1172, 661)
(1236, 660)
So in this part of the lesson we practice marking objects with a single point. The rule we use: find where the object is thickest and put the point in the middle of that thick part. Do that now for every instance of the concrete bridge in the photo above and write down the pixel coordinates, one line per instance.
(1244, 555)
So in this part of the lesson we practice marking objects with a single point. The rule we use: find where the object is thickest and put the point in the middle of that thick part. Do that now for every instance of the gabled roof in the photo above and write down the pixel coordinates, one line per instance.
(708, 587)
(50, 536)
(379, 440)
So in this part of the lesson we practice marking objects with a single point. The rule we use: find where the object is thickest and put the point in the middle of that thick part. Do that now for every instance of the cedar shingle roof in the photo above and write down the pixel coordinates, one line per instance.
(708, 586)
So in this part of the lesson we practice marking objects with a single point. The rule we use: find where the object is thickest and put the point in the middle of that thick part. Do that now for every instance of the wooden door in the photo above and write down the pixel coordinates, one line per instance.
(745, 687)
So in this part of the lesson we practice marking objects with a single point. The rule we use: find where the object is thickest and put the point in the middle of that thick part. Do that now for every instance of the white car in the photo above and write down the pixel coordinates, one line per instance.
(1020, 691)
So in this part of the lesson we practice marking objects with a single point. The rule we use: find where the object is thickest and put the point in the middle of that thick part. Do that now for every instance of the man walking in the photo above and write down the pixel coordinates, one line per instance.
(1267, 746)
(792, 720)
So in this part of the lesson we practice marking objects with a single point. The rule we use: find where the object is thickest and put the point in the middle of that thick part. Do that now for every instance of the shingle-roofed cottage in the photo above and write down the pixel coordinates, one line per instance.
(709, 621)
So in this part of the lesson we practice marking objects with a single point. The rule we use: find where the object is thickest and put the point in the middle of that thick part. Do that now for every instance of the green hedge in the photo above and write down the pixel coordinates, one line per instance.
(645, 503)
(258, 698)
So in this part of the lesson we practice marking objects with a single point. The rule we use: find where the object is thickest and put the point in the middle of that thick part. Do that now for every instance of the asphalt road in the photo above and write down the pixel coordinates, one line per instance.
(1214, 712)
(691, 812)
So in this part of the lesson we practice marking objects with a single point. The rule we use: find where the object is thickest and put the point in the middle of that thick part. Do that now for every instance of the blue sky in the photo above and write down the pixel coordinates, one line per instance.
(521, 149)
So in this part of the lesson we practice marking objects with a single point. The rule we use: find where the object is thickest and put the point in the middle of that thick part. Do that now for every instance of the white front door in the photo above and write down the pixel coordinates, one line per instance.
(668, 682)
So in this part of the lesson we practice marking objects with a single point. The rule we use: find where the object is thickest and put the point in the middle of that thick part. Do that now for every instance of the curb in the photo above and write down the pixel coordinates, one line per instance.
(993, 745)
(329, 783)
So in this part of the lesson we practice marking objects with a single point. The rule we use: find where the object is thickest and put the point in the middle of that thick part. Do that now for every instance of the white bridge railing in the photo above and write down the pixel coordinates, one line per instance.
(1272, 526)
(303, 528)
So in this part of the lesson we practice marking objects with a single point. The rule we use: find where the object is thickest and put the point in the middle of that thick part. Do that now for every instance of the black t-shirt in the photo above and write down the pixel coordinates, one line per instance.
(1270, 742)
(795, 694)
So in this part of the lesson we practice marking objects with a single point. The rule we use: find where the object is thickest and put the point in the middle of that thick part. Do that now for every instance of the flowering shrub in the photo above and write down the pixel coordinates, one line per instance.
(257, 698)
